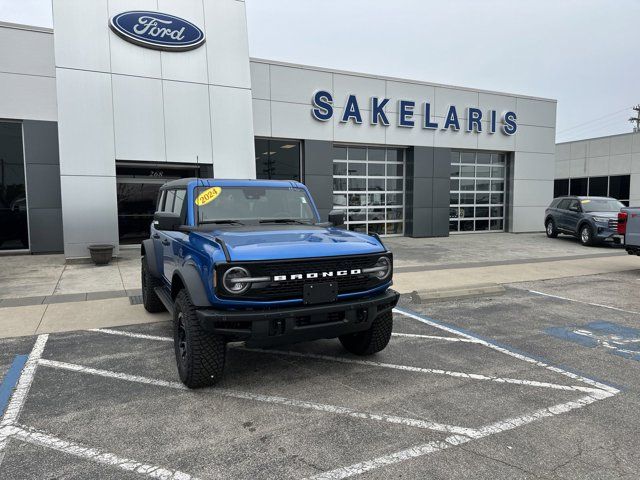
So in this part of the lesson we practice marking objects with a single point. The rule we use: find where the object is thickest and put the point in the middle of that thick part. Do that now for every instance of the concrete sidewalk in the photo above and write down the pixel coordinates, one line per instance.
(41, 294)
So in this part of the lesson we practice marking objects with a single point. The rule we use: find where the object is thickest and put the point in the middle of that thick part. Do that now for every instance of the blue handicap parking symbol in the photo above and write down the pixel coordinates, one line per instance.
(619, 340)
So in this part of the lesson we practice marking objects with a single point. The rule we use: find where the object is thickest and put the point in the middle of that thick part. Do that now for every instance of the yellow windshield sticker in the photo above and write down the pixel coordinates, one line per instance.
(585, 201)
(209, 195)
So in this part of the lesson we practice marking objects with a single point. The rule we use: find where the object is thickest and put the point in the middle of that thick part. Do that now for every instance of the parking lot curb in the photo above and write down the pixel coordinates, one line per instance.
(426, 296)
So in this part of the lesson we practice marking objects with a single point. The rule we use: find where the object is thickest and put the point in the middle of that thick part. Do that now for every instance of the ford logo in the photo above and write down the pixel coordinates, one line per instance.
(155, 30)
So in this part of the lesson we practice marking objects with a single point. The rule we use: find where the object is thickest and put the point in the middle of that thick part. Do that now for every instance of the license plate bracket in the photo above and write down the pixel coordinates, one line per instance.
(324, 292)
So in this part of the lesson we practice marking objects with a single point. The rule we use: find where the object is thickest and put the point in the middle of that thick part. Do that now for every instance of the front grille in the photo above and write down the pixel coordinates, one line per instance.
(613, 223)
(290, 289)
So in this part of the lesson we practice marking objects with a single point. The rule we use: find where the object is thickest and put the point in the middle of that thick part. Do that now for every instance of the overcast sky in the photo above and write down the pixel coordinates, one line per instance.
(584, 53)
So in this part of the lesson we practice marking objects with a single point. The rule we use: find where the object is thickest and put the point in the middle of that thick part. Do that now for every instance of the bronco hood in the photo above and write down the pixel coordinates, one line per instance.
(292, 241)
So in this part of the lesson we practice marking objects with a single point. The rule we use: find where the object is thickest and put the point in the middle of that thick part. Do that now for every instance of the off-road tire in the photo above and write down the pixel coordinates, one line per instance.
(370, 341)
(586, 237)
(150, 299)
(200, 355)
(551, 229)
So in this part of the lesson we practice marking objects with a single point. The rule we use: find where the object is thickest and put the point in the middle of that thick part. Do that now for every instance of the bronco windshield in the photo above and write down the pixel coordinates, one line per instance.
(601, 205)
(252, 205)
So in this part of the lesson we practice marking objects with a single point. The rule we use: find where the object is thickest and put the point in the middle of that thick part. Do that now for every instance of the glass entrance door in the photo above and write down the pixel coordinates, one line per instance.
(14, 230)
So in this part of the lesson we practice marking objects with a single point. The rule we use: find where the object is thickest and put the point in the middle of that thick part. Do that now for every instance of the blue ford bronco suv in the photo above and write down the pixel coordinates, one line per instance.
(249, 260)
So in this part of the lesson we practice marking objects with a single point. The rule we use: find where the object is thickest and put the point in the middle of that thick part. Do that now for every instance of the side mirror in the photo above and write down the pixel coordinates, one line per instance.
(166, 221)
(336, 218)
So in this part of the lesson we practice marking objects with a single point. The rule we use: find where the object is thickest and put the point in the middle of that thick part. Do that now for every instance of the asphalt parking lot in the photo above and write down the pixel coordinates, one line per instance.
(522, 385)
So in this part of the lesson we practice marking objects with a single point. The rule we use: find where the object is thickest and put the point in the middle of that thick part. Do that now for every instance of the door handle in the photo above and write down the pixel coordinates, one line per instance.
(156, 236)
(166, 243)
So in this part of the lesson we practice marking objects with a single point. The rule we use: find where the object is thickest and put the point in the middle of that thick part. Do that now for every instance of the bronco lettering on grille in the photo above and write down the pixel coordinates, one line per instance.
(313, 275)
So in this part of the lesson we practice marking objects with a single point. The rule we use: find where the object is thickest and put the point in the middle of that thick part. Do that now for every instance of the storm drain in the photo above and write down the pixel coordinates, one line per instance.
(135, 299)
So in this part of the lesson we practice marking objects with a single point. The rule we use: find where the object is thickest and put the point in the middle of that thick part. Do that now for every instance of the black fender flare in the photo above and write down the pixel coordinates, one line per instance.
(192, 281)
(153, 257)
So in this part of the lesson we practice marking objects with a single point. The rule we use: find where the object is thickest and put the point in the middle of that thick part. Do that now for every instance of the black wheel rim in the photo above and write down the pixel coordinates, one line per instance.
(182, 338)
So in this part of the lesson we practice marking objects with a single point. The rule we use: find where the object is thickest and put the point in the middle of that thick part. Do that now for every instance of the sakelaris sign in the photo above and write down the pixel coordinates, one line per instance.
(323, 110)
(159, 31)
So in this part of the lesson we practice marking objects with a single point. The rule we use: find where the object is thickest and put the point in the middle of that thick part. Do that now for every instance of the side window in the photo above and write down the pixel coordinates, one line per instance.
(574, 205)
(179, 201)
(168, 204)
(564, 204)
(160, 201)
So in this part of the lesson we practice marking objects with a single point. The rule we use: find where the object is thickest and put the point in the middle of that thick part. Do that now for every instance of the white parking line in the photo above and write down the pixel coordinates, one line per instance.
(435, 371)
(12, 412)
(431, 447)
(435, 337)
(410, 422)
(43, 439)
(125, 333)
(511, 353)
(584, 303)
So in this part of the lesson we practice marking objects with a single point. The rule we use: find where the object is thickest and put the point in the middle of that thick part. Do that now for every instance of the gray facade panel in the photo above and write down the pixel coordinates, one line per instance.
(42, 162)
(442, 163)
(423, 195)
(440, 189)
(422, 222)
(320, 187)
(45, 229)
(318, 157)
(422, 162)
(440, 222)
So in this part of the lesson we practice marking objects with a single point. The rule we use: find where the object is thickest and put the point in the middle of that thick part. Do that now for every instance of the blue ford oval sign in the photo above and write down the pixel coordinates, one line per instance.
(157, 30)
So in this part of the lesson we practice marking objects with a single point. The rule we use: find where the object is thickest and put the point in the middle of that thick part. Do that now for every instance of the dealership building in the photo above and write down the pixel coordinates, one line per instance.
(603, 166)
(96, 114)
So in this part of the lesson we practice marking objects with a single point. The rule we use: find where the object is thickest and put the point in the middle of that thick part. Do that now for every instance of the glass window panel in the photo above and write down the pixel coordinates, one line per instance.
(179, 201)
(465, 212)
(455, 184)
(561, 187)
(598, 186)
(482, 198)
(482, 225)
(394, 199)
(453, 226)
(358, 227)
(484, 158)
(482, 171)
(376, 169)
(376, 154)
(619, 186)
(376, 184)
(466, 225)
(497, 158)
(376, 214)
(497, 198)
(340, 153)
(497, 211)
(395, 155)
(376, 199)
(357, 199)
(339, 184)
(454, 198)
(467, 199)
(356, 153)
(277, 159)
(467, 185)
(482, 184)
(359, 215)
(394, 213)
(482, 212)
(394, 228)
(496, 224)
(455, 170)
(357, 169)
(578, 186)
(497, 172)
(468, 157)
(455, 157)
(497, 185)
(394, 169)
(467, 171)
(453, 212)
(394, 184)
(357, 184)
(168, 204)
(340, 200)
(161, 197)
(376, 228)
(339, 168)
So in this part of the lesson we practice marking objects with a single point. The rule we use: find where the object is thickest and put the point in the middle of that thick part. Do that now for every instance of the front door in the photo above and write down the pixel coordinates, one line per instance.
(573, 215)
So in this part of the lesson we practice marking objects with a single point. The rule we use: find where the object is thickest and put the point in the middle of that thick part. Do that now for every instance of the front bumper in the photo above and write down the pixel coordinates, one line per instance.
(297, 324)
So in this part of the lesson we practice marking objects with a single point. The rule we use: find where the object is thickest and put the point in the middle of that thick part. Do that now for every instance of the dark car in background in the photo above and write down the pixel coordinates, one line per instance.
(590, 219)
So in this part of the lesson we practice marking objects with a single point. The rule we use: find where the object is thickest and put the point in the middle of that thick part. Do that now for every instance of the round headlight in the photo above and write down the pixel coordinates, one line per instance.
(232, 280)
(384, 265)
